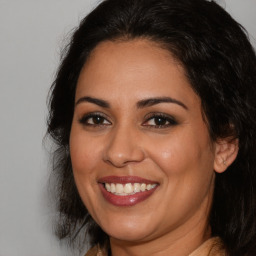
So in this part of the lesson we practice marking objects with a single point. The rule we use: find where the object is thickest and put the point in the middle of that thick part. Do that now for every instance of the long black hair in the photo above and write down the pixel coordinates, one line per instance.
(220, 64)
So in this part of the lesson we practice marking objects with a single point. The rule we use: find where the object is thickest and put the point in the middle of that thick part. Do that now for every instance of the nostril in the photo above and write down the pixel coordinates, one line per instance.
(124, 155)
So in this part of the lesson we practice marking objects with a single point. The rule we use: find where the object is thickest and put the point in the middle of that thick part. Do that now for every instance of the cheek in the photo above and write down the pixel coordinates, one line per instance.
(83, 154)
(83, 158)
(183, 153)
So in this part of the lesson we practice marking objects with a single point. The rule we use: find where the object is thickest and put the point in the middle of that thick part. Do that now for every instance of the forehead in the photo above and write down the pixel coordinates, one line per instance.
(136, 68)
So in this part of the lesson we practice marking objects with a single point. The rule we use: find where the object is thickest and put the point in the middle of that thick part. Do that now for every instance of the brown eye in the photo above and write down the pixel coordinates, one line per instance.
(94, 120)
(160, 121)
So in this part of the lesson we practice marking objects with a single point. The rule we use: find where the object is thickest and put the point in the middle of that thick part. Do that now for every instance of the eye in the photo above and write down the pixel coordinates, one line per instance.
(159, 121)
(94, 119)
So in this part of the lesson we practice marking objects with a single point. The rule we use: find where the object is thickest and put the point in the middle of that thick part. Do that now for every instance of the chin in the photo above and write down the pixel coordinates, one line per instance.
(128, 231)
(129, 236)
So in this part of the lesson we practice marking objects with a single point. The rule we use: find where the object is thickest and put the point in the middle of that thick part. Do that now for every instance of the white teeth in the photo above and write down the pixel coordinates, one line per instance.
(128, 188)
(112, 188)
(108, 187)
(149, 187)
(143, 187)
(136, 187)
(119, 188)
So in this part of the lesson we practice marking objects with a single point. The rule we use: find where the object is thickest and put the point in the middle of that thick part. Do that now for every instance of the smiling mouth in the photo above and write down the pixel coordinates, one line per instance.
(128, 188)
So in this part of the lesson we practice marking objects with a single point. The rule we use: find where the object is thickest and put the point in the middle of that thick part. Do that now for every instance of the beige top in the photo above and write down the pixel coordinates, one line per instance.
(212, 247)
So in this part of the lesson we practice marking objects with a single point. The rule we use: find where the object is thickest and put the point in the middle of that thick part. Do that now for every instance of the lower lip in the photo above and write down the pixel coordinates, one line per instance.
(128, 200)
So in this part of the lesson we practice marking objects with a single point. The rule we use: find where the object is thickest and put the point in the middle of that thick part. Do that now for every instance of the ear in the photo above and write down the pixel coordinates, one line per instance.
(226, 151)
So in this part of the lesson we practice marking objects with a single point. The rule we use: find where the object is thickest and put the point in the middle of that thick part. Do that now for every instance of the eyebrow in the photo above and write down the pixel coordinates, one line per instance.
(140, 104)
(99, 102)
(153, 101)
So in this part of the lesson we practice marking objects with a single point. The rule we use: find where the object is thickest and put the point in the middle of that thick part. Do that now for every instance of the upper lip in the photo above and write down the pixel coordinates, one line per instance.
(125, 179)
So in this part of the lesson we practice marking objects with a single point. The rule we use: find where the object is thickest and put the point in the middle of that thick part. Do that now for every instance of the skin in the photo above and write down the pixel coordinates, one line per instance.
(180, 157)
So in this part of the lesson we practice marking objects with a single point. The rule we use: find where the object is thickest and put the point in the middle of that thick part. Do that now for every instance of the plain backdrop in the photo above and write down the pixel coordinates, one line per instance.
(32, 33)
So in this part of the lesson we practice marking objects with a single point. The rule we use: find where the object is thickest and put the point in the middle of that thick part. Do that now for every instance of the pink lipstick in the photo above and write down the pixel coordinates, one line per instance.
(126, 190)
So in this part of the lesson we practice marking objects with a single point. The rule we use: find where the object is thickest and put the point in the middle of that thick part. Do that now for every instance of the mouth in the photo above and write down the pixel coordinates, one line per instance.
(126, 190)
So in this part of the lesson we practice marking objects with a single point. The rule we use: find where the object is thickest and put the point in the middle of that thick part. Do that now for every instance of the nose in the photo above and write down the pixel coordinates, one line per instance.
(123, 147)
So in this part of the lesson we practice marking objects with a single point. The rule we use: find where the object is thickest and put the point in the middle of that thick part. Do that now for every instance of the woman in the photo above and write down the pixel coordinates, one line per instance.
(153, 112)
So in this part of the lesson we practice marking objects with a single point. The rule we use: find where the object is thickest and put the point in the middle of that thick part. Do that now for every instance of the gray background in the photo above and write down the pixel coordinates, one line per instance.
(32, 33)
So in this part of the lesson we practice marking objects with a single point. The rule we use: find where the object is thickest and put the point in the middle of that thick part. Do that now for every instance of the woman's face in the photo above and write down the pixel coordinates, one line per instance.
(141, 153)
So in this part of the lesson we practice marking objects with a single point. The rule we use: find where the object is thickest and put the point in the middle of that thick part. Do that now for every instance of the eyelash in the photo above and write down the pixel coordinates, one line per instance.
(85, 120)
(102, 118)
(166, 118)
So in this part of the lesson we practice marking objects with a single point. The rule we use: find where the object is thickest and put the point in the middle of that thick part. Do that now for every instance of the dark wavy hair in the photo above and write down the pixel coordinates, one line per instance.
(220, 64)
